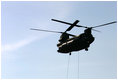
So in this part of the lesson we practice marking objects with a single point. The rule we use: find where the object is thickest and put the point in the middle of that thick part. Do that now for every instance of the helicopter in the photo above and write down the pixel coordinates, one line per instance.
(76, 42)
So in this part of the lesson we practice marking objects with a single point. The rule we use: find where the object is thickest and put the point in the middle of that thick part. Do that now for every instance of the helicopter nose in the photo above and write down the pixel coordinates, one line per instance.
(58, 51)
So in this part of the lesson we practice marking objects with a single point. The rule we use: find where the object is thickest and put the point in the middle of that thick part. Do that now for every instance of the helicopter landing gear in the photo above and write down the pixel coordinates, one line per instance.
(70, 53)
(86, 49)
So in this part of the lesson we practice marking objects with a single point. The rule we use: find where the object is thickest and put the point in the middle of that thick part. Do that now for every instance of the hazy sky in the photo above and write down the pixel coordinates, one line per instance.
(33, 54)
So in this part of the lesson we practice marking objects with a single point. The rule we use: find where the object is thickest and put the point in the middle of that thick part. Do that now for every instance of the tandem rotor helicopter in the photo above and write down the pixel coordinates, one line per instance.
(77, 42)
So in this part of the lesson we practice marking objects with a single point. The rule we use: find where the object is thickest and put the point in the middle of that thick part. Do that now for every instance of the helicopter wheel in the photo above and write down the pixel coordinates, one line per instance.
(70, 53)
(86, 49)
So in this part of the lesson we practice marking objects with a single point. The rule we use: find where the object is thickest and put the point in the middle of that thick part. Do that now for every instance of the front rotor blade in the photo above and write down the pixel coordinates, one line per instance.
(72, 25)
(61, 21)
(51, 31)
(71, 35)
(105, 24)
(45, 30)
(68, 23)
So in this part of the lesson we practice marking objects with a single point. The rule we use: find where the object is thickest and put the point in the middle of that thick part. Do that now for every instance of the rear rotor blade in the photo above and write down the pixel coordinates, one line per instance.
(81, 26)
(105, 24)
(45, 30)
(96, 30)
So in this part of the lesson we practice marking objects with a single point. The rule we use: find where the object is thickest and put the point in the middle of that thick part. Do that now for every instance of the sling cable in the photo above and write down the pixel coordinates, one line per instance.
(68, 66)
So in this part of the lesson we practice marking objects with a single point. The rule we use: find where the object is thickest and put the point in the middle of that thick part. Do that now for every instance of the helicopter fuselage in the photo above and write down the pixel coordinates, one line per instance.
(77, 43)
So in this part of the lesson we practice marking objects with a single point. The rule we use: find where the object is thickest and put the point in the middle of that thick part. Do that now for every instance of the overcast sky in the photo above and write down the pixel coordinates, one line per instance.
(33, 55)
